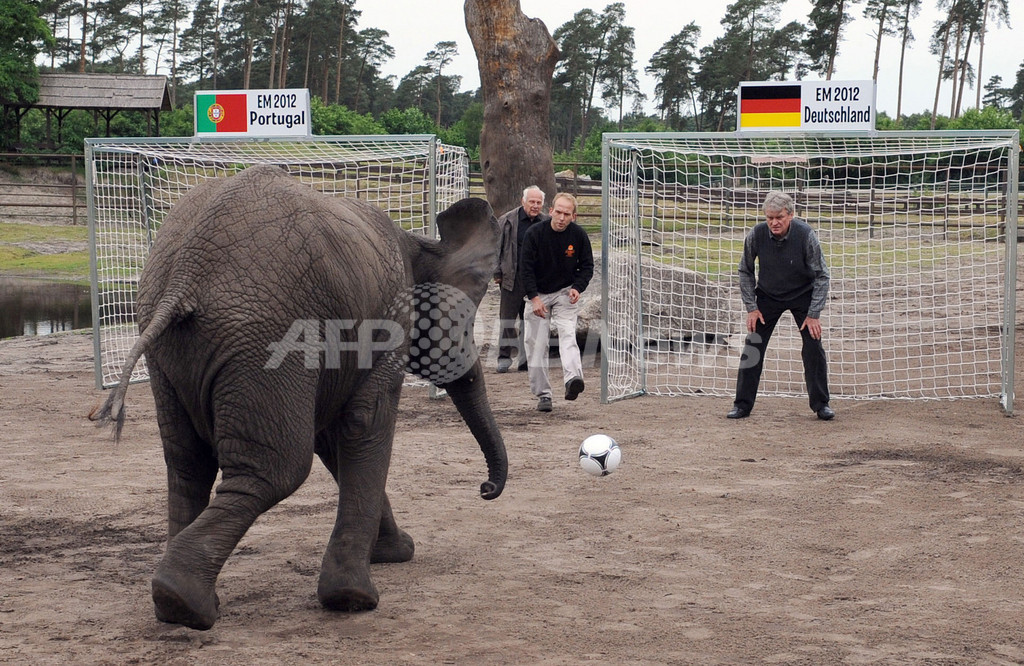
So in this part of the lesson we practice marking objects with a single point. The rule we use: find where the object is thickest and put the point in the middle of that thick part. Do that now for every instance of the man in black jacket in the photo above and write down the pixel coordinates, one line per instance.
(556, 264)
(513, 225)
(791, 275)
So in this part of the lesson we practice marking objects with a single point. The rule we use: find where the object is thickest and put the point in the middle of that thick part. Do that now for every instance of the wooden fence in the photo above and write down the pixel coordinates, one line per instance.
(42, 188)
(54, 192)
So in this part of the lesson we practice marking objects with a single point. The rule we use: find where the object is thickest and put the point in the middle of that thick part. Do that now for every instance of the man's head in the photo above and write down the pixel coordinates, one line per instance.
(778, 212)
(563, 211)
(533, 200)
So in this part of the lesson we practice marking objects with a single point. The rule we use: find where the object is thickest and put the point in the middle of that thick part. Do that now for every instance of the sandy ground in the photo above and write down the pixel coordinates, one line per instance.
(892, 535)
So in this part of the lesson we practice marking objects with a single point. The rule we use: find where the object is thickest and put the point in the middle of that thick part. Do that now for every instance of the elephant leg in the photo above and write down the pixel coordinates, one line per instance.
(393, 543)
(358, 445)
(191, 464)
(262, 461)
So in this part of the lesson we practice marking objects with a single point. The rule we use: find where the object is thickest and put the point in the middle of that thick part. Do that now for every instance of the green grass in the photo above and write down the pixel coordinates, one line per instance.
(64, 265)
(16, 260)
(27, 233)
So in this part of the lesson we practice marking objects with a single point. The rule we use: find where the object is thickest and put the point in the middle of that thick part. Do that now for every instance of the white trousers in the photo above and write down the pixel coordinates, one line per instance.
(563, 315)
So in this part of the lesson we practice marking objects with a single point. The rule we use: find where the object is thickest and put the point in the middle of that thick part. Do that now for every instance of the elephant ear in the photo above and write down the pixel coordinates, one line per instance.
(469, 240)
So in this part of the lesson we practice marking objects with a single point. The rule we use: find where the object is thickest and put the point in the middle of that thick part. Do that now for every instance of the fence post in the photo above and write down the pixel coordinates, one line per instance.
(74, 192)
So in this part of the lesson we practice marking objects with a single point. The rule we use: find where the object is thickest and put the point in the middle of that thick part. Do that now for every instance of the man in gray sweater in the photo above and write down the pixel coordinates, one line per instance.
(791, 275)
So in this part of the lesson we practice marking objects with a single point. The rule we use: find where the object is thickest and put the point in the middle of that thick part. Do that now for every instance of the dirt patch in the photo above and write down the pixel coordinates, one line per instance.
(891, 535)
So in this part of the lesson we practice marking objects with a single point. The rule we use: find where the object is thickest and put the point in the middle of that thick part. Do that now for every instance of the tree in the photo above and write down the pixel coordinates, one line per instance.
(939, 45)
(826, 19)
(199, 44)
(348, 15)
(971, 20)
(516, 57)
(620, 79)
(673, 67)
(412, 90)
(111, 35)
(909, 8)
(372, 51)
(996, 95)
(21, 34)
(244, 26)
(1016, 95)
(174, 13)
(587, 41)
(438, 58)
(887, 23)
(951, 42)
(750, 50)
(1002, 15)
(56, 14)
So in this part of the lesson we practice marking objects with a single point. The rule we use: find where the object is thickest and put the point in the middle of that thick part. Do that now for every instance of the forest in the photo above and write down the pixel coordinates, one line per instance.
(321, 45)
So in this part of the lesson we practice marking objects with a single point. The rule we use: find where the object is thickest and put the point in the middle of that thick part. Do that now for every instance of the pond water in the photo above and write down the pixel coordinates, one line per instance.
(40, 307)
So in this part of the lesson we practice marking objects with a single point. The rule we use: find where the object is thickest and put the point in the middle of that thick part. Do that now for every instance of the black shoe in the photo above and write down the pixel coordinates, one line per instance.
(573, 388)
(738, 413)
(523, 367)
(826, 413)
(544, 405)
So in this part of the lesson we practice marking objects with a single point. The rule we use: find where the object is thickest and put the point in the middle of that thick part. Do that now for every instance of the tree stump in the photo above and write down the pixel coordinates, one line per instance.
(516, 57)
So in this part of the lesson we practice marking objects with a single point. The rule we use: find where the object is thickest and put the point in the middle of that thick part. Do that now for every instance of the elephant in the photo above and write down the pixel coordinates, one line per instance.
(278, 322)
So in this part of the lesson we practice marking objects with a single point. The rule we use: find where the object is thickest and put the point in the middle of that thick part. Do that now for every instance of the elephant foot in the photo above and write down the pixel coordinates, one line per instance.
(183, 601)
(347, 593)
(397, 547)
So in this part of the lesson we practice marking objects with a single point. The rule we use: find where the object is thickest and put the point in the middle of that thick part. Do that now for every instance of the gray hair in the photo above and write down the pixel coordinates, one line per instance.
(535, 187)
(776, 200)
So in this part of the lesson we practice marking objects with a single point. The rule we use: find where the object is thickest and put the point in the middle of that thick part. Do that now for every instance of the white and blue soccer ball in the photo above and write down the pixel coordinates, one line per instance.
(600, 455)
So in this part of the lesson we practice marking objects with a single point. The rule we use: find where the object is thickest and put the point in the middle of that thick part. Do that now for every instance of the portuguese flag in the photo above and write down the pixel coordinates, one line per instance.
(221, 113)
(770, 106)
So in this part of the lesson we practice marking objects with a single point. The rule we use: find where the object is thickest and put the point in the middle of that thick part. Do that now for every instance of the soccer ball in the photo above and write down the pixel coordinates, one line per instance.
(600, 455)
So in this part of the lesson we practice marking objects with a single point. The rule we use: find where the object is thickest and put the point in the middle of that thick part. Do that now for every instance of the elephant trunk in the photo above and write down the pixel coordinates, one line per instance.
(470, 397)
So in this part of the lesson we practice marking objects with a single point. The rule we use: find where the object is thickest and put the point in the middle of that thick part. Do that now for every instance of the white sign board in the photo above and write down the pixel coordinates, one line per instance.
(806, 105)
(253, 113)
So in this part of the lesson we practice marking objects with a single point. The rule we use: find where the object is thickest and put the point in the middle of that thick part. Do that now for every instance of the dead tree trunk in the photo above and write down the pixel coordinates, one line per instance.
(516, 57)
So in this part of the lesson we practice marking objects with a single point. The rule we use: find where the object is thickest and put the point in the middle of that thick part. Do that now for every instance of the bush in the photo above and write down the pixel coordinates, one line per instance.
(335, 119)
(407, 121)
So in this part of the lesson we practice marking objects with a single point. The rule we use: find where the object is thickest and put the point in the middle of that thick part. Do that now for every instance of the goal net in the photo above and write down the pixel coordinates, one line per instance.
(919, 230)
(133, 183)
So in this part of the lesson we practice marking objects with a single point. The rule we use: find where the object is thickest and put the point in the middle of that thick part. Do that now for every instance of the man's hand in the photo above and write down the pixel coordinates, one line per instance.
(573, 295)
(538, 307)
(753, 317)
(813, 327)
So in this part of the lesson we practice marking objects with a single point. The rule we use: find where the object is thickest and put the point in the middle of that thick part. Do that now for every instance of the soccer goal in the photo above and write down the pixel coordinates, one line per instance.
(131, 184)
(919, 230)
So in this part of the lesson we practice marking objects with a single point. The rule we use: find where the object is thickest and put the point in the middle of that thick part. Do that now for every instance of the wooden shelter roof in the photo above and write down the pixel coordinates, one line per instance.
(103, 91)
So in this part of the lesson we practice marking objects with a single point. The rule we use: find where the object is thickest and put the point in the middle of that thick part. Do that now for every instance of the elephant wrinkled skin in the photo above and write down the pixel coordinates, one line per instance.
(244, 263)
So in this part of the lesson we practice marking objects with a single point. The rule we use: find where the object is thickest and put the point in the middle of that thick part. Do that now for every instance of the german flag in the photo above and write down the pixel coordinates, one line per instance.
(770, 106)
(221, 113)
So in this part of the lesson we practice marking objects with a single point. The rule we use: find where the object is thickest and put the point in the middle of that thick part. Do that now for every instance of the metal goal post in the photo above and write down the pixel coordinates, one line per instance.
(131, 184)
(919, 231)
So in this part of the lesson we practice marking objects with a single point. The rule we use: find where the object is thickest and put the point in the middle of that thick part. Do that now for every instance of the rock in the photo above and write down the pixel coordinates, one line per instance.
(683, 309)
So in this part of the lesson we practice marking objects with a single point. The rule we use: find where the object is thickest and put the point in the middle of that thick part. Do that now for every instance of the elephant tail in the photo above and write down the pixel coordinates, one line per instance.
(112, 410)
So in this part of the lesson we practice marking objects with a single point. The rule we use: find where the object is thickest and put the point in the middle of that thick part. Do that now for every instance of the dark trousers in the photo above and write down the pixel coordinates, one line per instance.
(752, 361)
(510, 309)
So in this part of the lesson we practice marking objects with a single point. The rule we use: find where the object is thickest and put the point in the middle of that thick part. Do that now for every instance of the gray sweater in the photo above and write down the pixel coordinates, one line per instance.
(788, 267)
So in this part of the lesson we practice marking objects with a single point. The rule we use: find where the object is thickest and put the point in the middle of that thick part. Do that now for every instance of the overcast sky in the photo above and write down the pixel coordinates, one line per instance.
(415, 26)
